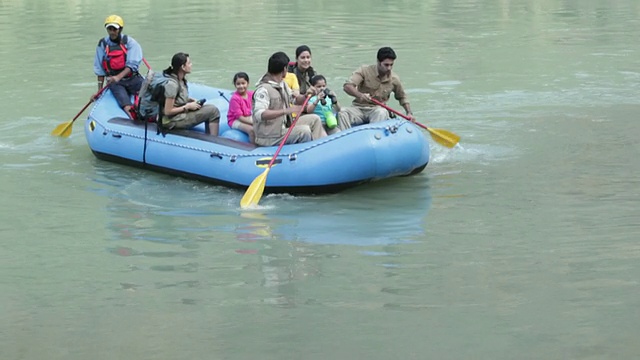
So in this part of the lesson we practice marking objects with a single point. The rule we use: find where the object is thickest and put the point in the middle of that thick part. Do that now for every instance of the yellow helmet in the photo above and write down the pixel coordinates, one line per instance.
(114, 20)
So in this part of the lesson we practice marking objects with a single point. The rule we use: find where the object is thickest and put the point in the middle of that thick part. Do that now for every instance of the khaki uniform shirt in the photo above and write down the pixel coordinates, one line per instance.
(270, 95)
(367, 81)
(304, 78)
(177, 91)
(180, 92)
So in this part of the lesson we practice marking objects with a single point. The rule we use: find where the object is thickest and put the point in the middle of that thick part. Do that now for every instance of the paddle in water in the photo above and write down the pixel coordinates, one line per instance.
(441, 136)
(254, 192)
(65, 129)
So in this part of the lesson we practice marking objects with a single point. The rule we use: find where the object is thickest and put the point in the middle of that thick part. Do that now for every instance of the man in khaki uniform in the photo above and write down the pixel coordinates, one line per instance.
(272, 108)
(373, 81)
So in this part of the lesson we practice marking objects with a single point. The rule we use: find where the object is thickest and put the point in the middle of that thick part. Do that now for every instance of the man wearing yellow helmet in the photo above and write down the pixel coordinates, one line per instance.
(117, 59)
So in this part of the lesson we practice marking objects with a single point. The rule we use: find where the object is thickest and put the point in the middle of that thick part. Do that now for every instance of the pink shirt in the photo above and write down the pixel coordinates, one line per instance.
(239, 106)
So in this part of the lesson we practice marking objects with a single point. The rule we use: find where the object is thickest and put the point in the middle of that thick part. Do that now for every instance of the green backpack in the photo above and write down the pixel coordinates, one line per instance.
(152, 97)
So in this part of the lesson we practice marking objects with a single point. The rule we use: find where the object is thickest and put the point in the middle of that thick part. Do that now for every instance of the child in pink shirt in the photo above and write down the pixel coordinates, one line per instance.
(239, 113)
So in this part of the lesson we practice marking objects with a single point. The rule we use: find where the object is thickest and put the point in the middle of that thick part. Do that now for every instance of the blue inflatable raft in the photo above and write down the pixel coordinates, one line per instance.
(364, 153)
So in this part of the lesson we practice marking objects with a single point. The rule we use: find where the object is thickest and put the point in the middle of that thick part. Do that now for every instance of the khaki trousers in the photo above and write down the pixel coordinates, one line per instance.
(209, 114)
(358, 115)
(307, 128)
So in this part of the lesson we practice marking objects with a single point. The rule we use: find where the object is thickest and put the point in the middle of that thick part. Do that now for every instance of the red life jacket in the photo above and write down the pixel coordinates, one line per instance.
(115, 58)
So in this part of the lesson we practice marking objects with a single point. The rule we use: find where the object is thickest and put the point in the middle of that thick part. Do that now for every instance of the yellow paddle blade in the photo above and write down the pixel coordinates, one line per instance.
(254, 192)
(444, 137)
(63, 129)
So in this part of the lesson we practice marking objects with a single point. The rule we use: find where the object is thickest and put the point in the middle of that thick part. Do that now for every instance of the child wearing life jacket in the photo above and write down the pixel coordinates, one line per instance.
(239, 113)
(324, 104)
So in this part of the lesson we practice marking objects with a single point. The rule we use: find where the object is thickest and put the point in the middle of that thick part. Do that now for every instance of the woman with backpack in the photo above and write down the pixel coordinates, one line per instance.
(180, 111)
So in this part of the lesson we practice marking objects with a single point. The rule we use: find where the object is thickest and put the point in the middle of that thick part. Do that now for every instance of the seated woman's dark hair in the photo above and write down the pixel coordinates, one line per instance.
(308, 72)
(314, 80)
(240, 75)
(386, 53)
(177, 61)
(300, 49)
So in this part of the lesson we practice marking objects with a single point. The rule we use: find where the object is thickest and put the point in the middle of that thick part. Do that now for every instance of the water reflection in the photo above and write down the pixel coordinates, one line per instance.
(167, 234)
(154, 232)
(294, 242)
(377, 214)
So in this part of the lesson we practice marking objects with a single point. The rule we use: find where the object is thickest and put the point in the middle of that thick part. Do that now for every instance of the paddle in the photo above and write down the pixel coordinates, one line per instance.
(146, 63)
(254, 192)
(65, 129)
(224, 97)
(441, 136)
